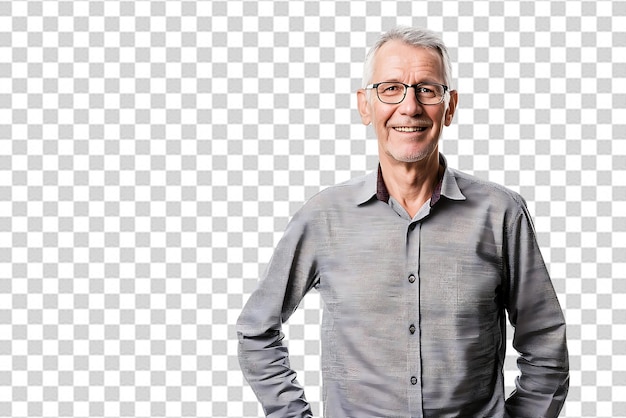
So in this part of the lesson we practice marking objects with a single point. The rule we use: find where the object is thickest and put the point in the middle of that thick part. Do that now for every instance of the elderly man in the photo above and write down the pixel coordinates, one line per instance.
(417, 264)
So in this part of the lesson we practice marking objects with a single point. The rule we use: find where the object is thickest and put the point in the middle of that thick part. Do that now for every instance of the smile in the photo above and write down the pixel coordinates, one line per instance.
(410, 129)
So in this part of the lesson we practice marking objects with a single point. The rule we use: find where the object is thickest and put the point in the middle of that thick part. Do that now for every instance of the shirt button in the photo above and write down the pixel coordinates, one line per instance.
(412, 329)
(414, 380)
(411, 278)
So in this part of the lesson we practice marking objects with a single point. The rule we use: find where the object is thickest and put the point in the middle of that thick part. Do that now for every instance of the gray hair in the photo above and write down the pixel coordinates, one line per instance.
(411, 36)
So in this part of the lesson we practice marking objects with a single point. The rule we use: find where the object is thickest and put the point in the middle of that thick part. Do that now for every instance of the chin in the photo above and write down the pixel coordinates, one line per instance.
(412, 156)
(409, 158)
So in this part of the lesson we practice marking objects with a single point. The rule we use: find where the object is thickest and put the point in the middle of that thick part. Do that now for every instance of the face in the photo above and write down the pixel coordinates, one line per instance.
(409, 131)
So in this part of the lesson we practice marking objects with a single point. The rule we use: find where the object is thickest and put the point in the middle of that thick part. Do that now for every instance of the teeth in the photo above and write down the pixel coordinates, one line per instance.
(408, 129)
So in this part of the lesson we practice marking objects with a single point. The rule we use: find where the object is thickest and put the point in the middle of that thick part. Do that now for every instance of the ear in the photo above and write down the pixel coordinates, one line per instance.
(363, 105)
(454, 97)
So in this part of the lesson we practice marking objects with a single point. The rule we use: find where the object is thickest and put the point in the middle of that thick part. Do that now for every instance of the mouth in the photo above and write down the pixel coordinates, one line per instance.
(410, 128)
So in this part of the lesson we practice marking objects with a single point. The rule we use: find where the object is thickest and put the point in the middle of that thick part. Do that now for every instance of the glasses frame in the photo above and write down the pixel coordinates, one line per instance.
(406, 89)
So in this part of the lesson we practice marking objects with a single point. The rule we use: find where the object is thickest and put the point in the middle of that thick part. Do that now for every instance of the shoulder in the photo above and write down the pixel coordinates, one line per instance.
(485, 196)
(343, 195)
(474, 187)
(339, 201)
(315, 217)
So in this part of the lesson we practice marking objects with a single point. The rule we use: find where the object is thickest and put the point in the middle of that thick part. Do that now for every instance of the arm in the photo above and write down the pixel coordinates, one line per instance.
(264, 359)
(539, 336)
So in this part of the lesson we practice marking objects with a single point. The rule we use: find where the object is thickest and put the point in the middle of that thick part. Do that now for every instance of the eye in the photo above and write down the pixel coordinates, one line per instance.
(391, 88)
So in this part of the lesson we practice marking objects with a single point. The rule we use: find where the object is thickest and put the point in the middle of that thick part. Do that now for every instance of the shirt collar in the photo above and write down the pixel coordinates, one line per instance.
(374, 186)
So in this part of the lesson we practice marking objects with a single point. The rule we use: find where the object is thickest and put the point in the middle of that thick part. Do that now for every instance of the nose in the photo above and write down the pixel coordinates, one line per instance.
(410, 105)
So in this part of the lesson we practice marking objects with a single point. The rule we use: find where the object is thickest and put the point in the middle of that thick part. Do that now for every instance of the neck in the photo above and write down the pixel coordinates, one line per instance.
(411, 184)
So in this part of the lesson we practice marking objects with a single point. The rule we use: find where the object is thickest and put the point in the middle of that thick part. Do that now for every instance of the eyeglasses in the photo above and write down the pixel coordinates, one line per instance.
(392, 92)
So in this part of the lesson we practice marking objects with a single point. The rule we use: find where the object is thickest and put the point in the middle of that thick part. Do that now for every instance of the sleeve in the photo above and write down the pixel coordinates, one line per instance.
(536, 315)
(264, 359)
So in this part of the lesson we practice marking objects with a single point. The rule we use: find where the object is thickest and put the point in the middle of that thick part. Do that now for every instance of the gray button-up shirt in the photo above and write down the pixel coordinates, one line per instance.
(414, 309)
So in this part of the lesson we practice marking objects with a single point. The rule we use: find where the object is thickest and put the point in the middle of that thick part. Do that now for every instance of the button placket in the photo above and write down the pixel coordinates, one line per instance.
(413, 310)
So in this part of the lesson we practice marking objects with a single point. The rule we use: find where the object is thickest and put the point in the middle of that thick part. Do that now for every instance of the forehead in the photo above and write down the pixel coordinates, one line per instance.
(398, 58)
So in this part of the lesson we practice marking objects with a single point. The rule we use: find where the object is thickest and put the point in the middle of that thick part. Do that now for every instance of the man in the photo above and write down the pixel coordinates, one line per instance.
(417, 264)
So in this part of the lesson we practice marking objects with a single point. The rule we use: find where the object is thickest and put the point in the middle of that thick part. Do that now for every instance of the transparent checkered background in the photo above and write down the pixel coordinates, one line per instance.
(152, 152)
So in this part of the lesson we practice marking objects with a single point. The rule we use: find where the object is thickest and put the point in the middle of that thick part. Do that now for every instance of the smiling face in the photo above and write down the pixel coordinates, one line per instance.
(407, 132)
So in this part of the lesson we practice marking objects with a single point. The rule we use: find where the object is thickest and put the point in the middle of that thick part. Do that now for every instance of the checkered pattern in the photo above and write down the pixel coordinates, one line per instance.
(152, 152)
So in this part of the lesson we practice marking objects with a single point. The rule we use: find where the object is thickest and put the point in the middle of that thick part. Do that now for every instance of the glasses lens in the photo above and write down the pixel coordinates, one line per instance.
(429, 93)
(391, 92)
